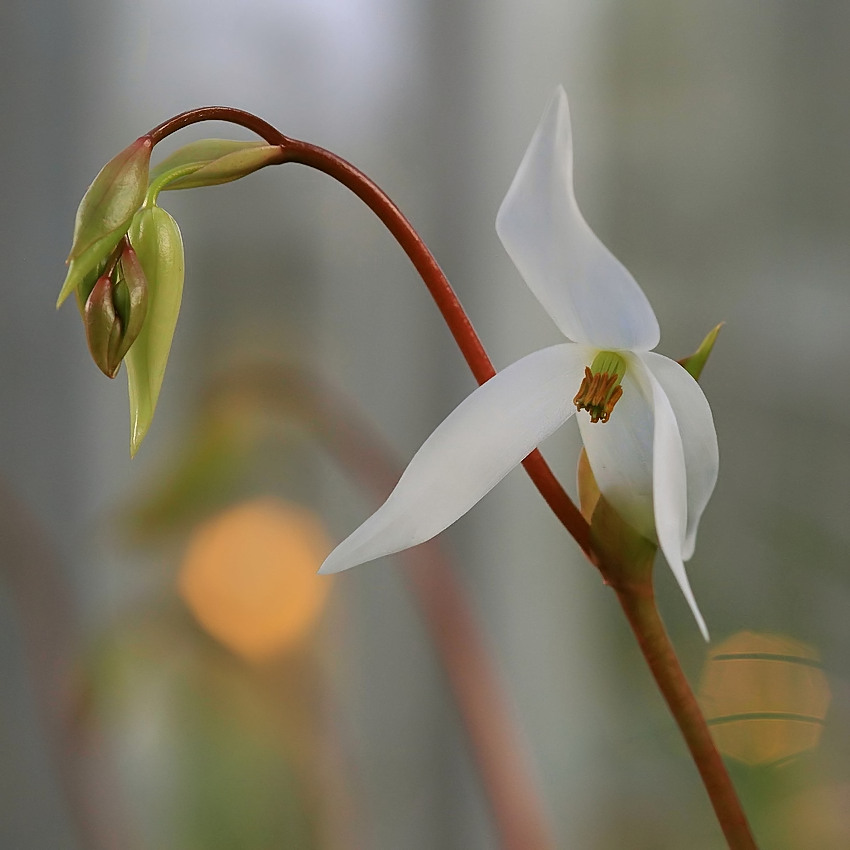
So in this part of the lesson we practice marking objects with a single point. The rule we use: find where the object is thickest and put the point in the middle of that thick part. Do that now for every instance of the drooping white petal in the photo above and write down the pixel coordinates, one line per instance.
(638, 460)
(485, 437)
(669, 486)
(699, 438)
(588, 293)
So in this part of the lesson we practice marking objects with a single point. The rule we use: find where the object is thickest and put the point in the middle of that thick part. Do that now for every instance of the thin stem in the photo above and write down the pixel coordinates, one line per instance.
(219, 113)
(472, 677)
(639, 606)
(423, 260)
(638, 602)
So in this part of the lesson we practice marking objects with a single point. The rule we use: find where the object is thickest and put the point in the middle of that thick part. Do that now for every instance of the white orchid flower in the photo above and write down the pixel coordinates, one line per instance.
(648, 430)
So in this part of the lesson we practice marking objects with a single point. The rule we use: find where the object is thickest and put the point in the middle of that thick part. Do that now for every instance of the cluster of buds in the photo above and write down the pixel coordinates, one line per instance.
(126, 262)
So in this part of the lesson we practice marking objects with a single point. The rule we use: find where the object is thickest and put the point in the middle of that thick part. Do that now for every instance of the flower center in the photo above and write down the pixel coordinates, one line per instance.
(600, 388)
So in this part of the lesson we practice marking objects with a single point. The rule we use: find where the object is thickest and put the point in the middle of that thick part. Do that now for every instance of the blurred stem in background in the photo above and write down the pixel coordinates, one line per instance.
(36, 581)
(495, 744)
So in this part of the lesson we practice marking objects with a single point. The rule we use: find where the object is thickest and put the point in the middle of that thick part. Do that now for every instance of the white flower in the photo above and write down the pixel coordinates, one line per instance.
(655, 459)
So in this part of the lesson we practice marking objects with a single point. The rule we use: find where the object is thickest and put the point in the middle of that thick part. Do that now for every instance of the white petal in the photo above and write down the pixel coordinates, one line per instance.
(620, 454)
(638, 461)
(669, 486)
(590, 295)
(699, 438)
(470, 452)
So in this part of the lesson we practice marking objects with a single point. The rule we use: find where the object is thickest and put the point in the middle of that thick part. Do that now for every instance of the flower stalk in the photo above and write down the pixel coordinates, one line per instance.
(424, 262)
(637, 599)
(650, 378)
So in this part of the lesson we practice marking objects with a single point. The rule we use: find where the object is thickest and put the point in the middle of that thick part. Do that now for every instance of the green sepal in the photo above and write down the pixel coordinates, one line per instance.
(695, 362)
(156, 239)
(106, 210)
(624, 554)
(231, 166)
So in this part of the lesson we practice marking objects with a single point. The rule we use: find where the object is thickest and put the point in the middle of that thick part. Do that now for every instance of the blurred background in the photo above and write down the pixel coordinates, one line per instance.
(171, 675)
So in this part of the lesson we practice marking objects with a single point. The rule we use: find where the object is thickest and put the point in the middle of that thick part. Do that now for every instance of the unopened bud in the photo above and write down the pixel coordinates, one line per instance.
(131, 299)
(114, 313)
(231, 166)
(210, 162)
(103, 327)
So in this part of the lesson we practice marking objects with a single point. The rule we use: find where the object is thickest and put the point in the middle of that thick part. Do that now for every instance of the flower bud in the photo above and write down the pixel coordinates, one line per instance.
(131, 299)
(103, 327)
(229, 167)
(114, 313)
(106, 210)
(156, 239)
(200, 153)
(212, 161)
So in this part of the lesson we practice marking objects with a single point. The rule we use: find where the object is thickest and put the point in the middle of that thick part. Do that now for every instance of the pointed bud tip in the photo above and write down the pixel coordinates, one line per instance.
(695, 363)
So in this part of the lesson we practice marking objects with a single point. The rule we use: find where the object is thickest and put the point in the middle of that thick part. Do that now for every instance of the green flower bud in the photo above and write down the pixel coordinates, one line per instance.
(156, 239)
(106, 210)
(131, 299)
(209, 163)
(231, 166)
(103, 327)
(200, 153)
(114, 313)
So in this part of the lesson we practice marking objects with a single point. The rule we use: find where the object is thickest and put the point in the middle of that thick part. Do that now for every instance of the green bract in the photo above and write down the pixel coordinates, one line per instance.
(106, 210)
(213, 161)
(156, 239)
(695, 363)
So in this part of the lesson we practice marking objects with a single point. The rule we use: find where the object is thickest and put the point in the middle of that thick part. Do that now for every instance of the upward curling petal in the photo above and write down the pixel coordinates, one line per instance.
(588, 293)
(470, 452)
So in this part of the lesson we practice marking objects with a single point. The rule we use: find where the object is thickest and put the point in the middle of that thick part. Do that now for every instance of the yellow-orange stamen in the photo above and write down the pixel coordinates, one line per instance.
(598, 393)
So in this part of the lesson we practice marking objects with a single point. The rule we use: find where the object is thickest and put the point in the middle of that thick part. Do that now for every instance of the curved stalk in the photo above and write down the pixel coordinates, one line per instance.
(636, 598)
(423, 260)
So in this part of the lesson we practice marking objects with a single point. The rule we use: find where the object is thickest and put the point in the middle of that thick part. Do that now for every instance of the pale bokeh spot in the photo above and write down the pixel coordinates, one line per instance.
(765, 697)
(249, 576)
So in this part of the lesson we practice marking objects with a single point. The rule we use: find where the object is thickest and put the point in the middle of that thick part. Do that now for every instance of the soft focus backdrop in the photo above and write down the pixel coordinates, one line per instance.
(711, 157)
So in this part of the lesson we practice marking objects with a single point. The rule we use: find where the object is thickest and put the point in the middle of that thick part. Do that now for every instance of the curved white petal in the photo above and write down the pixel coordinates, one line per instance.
(590, 295)
(620, 454)
(699, 438)
(669, 486)
(470, 452)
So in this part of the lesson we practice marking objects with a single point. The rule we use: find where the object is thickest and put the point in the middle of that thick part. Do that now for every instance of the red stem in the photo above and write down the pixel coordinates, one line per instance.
(642, 615)
(423, 260)
(638, 602)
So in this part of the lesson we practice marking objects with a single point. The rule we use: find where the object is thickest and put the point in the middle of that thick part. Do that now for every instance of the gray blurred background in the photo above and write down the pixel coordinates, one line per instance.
(711, 157)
